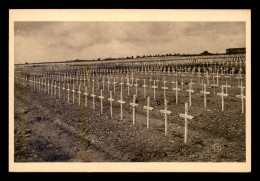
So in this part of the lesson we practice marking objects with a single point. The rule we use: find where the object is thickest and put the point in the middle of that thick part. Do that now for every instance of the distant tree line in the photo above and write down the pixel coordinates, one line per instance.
(138, 56)
(158, 55)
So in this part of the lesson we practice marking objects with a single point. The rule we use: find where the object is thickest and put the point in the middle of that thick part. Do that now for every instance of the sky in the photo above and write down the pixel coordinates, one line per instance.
(61, 41)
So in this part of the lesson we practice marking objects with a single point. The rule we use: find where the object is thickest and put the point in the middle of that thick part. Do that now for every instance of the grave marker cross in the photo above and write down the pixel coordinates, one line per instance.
(108, 83)
(79, 94)
(186, 117)
(205, 95)
(73, 91)
(222, 94)
(110, 99)
(48, 86)
(217, 76)
(190, 90)
(242, 97)
(103, 83)
(164, 88)
(127, 83)
(136, 85)
(86, 96)
(55, 89)
(148, 108)
(165, 112)
(238, 77)
(68, 89)
(121, 102)
(101, 97)
(176, 89)
(154, 87)
(121, 84)
(133, 104)
(59, 89)
(51, 86)
(93, 95)
(114, 83)
(226, 86)
(144, 86)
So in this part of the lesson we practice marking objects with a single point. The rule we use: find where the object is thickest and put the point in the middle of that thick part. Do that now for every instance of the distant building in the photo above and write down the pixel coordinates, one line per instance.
(235, 50)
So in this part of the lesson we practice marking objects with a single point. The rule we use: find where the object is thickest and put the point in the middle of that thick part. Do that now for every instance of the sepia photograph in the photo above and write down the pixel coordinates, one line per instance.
(129, 90)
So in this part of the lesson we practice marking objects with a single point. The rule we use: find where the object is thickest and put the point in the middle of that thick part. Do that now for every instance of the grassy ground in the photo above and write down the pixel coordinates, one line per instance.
(48, 129)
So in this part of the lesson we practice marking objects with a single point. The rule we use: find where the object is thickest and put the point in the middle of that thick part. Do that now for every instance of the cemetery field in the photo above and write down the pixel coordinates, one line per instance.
(53, 128)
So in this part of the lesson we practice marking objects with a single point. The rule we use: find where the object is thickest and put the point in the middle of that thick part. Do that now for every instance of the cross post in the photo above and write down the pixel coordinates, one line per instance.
(133, 104)
(148, 108)
(110, 99)
(165, 112)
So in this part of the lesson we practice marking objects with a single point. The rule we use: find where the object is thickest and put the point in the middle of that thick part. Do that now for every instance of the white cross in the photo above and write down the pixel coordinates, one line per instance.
(136, 85)
(45, 85)
(73, 91)
(51, 86)
(228, 75)
(199, 75)
(191, 83)
(84, 79)
(148, 108)
(101, 101)
(79, 94)
(93, 95)
(207, 76)
(103, 82)
(165, 112)
(127, 83)
(241, 85)
(48, 86)
(121, 84)
(114, 83)
(59, 90)
(242, 97)
(133, 104)
(98, 83)
(157, 81)
(144, 86)
(68, 89)
(110, 99)
(154, 87)
(86, 96)
(55, 89)
(182, 83)
(214, 85)
(173, 82)
(226, 86)
(164, 88)
(217, 76)
(222, 94)
(108, 83)
(190, 90)
(63, 86)
(35, 83)
(176, 89)
(121, 102)
(40, 83)
(132, 78)
(238, 77)
(205, 95)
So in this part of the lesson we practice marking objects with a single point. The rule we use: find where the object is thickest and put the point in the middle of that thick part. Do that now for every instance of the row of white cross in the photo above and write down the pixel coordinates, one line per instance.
(190, 90)
(207, 76)
(78, 76)
(147, 107)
